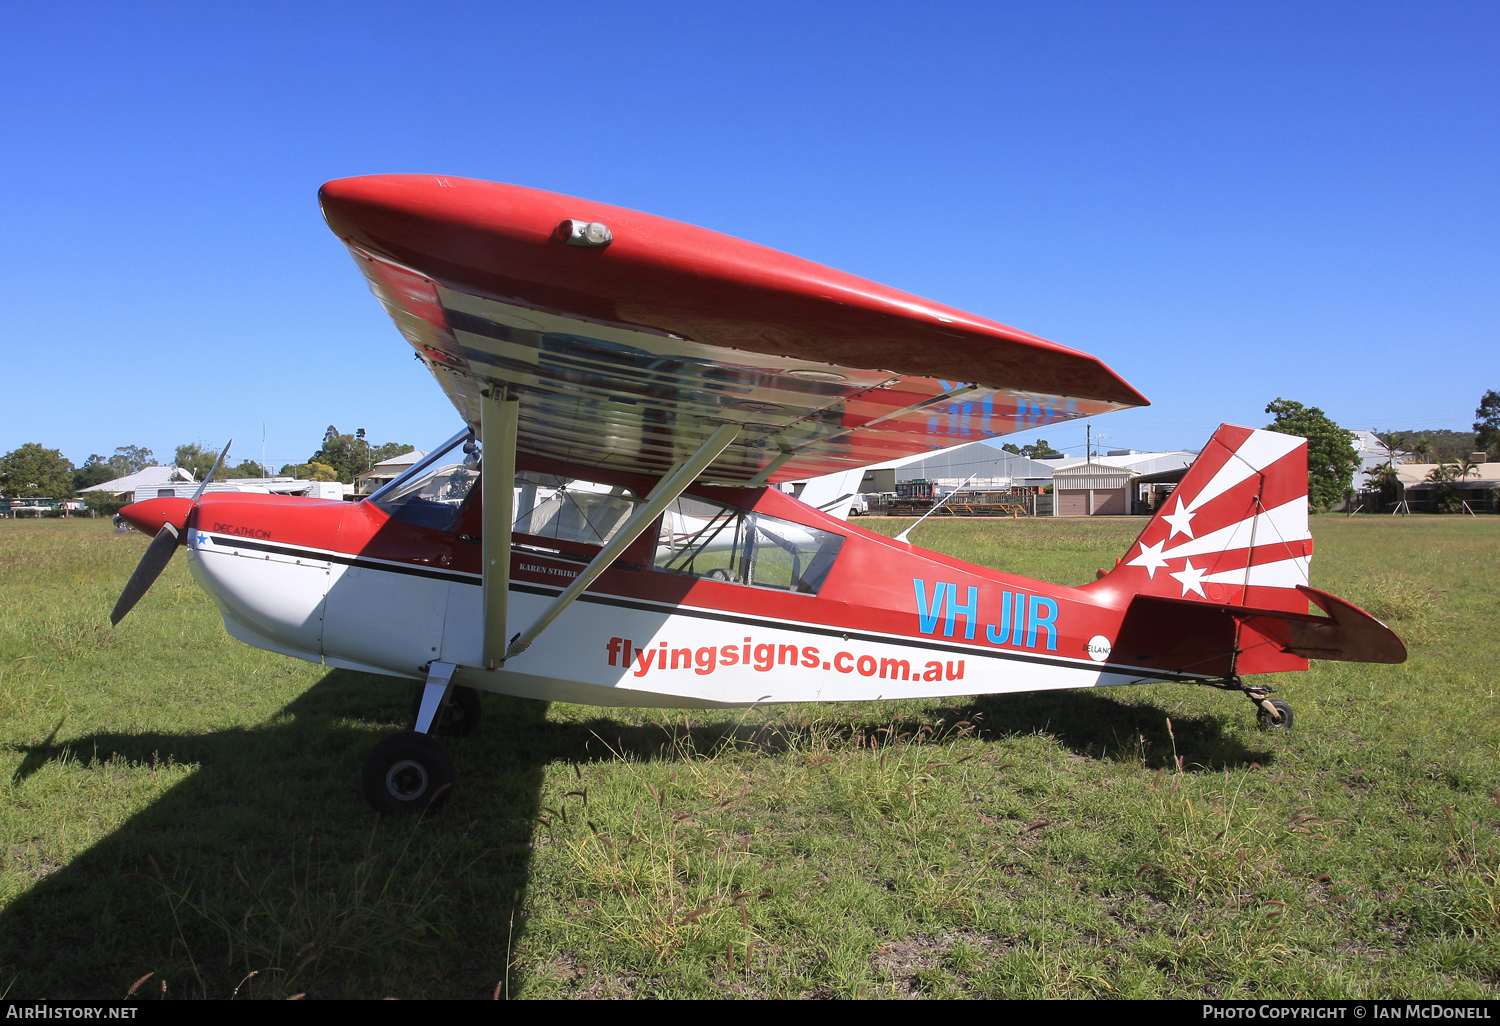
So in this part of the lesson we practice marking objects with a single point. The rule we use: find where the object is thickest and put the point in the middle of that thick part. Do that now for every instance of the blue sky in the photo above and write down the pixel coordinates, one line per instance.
(1226, 202)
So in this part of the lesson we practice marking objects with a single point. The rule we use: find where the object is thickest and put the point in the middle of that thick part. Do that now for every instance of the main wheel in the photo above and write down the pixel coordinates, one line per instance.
(407, 772)
(1283, 720)
(461, 717)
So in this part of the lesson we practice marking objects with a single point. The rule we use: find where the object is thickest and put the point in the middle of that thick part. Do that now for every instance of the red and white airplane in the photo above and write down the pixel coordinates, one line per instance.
(635, 387)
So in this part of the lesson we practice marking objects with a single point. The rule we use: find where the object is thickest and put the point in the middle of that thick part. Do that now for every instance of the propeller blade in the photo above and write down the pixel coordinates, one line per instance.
(159, 552)
(157, 556)
(212, 471)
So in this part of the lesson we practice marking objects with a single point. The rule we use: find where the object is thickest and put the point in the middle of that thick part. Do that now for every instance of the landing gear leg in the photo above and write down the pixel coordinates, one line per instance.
(409, 771)
(1270, 713)
(458, 718)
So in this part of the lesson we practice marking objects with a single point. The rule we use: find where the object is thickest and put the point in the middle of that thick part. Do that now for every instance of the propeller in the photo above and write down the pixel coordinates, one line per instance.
(159, 552)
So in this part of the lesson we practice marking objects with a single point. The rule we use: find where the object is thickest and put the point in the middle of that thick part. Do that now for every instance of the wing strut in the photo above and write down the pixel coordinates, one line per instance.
(498, 417)
(663, 495)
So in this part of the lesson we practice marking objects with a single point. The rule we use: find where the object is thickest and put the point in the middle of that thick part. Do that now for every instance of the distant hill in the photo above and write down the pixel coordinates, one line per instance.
(1449, 446)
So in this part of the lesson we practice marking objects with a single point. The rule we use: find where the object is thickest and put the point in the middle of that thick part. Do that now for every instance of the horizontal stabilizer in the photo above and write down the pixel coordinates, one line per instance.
(1195, 637)
(1349, 634)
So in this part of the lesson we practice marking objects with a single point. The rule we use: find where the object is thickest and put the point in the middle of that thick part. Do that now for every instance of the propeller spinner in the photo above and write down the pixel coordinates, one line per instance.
(168, 538)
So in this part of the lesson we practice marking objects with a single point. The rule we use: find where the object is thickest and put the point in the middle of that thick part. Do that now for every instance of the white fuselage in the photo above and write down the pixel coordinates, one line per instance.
(390, 618)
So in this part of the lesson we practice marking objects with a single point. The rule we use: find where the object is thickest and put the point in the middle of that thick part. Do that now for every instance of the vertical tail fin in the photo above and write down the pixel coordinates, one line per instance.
(1234, 531)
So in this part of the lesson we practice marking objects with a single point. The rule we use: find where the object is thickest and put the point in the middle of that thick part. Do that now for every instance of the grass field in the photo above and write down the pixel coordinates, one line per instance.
(180, 805)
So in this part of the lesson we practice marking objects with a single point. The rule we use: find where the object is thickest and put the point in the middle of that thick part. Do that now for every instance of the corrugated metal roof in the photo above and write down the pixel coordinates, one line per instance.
(1092, 475)
(974, 458)
(150, 477)
(1141, 462)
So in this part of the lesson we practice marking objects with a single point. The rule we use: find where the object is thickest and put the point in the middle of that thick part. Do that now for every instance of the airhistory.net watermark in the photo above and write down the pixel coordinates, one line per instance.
(39, 1011)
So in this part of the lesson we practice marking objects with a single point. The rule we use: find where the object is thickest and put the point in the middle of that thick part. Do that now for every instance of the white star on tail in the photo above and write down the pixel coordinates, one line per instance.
(1181, 521)
(1191, 578)
(1150, 558)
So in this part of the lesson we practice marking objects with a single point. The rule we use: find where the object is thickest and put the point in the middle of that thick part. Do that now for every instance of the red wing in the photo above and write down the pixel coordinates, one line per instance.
(627, 354)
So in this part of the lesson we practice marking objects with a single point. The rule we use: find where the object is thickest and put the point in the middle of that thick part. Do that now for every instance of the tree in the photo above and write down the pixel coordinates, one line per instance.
(104, 504)
(310, 472)
(1445, 497)
(1386, 479)
(95, 470)
(1040, 451)
(132, 458)
(1487, 423)
(1443, 446)
(198, 461)
(246, 468)
(35, 472)
(1331, 456)
(350, 455)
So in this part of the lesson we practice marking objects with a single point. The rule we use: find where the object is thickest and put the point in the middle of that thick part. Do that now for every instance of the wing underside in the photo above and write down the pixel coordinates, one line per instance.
(597, 394)
(629, 357)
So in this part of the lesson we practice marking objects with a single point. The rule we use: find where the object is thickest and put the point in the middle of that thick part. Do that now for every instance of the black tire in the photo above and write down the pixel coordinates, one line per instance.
(1265, 720)
(407, 772)
(460, 719)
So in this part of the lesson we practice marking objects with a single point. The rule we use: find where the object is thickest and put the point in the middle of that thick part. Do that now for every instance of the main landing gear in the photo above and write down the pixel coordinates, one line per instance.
(409, 771)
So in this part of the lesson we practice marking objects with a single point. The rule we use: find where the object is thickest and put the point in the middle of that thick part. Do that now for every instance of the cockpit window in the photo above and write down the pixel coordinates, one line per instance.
(722, 543)
(433, 499)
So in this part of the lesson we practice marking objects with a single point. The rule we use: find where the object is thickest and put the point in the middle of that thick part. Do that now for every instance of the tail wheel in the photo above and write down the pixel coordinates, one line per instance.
(407, 772)
(460, 719)
(1281, 721)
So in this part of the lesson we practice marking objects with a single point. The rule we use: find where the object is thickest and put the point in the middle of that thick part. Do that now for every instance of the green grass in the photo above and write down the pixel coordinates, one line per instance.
(181, 805)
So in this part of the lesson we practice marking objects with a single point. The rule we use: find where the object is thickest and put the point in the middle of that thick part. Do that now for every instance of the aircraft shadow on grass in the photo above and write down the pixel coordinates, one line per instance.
(274, 813)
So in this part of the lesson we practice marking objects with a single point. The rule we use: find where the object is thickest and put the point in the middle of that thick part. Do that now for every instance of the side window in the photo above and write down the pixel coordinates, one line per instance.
(570, 509)
(722, 543)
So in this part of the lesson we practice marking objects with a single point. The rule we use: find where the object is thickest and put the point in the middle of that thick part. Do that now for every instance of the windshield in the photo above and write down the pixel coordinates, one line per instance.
(434, 499)
(432, 492)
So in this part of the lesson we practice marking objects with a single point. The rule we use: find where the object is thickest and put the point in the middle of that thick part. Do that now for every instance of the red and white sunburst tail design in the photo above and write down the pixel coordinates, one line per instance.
(1234, 532)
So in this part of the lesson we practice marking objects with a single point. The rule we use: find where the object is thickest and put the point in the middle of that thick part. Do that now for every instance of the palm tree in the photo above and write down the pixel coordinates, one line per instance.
(1385, 479)
(1445, 475)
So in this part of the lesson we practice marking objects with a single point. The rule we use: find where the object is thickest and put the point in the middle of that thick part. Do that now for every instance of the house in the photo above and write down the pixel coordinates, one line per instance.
(260, 485)
(1374, 453)
(1478, 488)
(1092, 490)
(176, 483)
(1120, 483)
(144, 483)
(386, 471)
